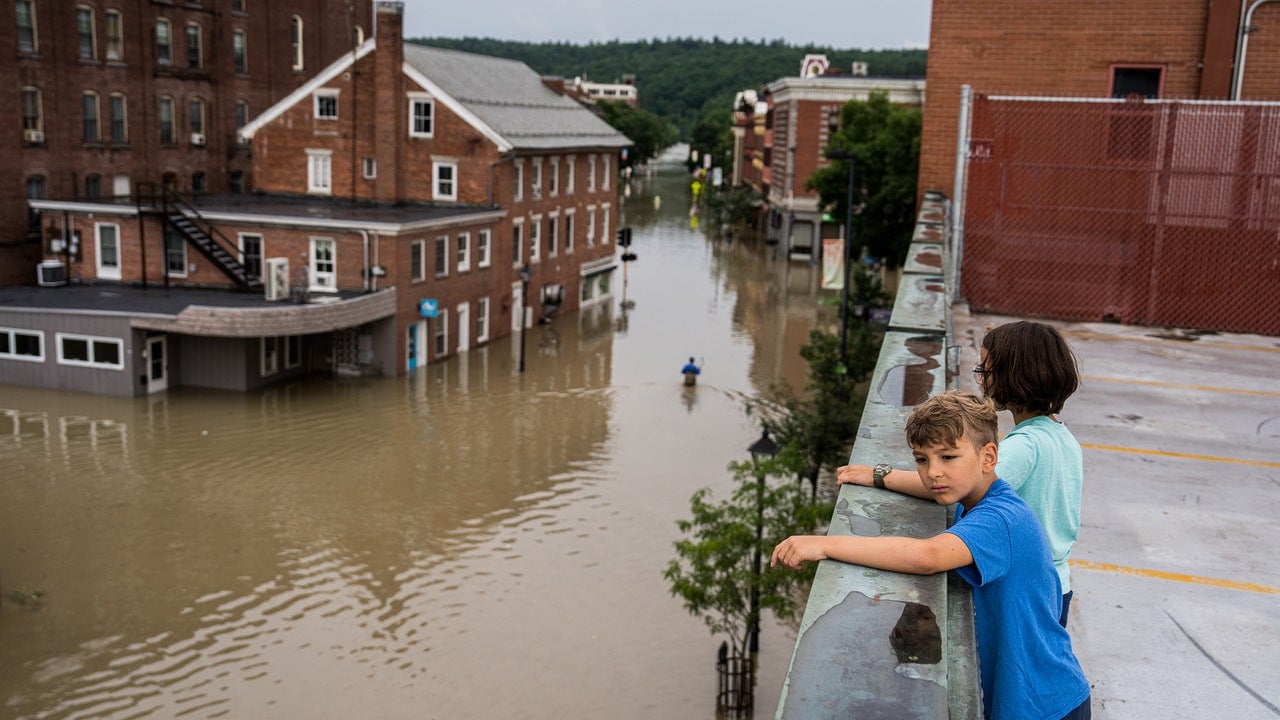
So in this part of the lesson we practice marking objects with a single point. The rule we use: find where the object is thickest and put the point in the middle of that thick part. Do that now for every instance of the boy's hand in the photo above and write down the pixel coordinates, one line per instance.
(854, 475)
(795, 550)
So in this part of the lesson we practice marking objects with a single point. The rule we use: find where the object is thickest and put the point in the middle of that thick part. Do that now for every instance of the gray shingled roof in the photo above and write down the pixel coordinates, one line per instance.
(511, 98)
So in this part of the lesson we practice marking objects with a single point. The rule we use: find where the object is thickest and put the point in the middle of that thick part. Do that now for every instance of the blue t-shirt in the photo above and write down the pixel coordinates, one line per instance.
(1029, 671)
(1041, 460)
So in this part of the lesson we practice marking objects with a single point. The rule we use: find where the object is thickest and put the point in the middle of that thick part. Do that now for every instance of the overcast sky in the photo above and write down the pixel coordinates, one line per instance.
(865, 24)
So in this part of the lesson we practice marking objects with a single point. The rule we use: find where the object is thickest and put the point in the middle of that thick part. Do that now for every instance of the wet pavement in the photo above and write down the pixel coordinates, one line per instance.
(1176, 577)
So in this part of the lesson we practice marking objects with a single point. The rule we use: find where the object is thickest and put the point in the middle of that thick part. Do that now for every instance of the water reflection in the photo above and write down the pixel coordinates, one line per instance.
(467, 542)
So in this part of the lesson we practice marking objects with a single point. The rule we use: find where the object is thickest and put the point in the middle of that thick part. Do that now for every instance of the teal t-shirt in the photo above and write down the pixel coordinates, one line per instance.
(1041, 460)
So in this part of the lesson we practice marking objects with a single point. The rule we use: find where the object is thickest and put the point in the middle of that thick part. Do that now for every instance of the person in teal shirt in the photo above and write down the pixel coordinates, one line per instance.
(1028, 369)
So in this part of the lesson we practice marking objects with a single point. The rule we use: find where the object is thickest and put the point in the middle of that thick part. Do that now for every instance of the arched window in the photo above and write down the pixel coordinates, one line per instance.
(164, 42)
(89, 108)
(295, 29)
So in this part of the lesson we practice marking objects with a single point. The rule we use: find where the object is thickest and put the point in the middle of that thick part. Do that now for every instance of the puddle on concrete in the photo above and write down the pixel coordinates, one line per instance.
(930, 259)
(911, 383)
(858, 524)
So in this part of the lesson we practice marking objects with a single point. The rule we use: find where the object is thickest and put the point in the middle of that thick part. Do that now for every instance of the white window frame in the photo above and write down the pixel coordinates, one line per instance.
(93, 33)
(484, 248)
(517, 242)
(12, 335)
(463, 253)
(261, 256)
(442, 256)
(323, 280)
(604, 223)
(240, 51)
(418, 269)
(268, 356)
(535, 178)
(113, 46)
(122, 119)
(321, 95)
(441, 335)
(369, 168)
(591, 173)
(591, 226)
(554, 179)
(436, 167)
(92, 340)
(296, 37)
(199, 35)
(107, 272)
(320, 171)
(606, 172)
(568, 230)
(482, 319)
(517, 178)
(35, 28)
(535, 240)
(570, 174)
(553, 233)
(164, 58)
(416, 99)
(181, 269)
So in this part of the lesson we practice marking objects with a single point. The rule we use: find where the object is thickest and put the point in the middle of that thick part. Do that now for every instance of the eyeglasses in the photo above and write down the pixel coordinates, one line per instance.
(979, 371)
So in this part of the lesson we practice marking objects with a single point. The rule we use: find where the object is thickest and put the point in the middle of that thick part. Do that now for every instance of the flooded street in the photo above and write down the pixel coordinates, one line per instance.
(468, 542)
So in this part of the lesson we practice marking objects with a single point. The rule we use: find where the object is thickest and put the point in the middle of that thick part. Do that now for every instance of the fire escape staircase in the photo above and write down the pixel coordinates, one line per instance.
(182, 218)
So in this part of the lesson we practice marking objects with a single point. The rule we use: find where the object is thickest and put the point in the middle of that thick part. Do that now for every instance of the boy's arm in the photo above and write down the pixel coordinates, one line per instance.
(906, 482)
(939, 553)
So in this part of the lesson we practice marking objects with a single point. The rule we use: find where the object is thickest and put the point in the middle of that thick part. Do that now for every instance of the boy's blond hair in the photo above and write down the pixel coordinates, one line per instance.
(946, 418)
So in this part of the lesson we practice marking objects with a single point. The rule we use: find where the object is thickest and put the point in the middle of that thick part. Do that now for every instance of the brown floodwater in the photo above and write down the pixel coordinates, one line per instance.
(468, 542)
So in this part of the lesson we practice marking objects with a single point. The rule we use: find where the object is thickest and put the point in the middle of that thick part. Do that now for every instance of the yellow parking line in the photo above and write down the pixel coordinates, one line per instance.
(1185, 456)
(1209, 388)
(1175, 577)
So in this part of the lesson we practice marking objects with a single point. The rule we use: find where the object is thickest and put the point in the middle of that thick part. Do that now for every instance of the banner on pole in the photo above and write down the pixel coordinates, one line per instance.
(832, 264)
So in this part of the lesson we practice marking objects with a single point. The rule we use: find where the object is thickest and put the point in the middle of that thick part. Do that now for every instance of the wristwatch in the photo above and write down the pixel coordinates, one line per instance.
(878, 473)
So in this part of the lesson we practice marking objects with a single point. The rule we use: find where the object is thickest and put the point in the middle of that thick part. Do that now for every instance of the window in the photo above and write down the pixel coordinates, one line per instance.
(591, 173)
(85, 33)
(93, 185)
(89, 105)
(35, 187)
(554, 180)
(164, 42)
(235, 182)
(569, 179)
(442, 256)
(1131, 124)
(446, 187)
(237, 5)
(270, 355)
(421, 116)
(591, 226)
(517, 179)
(326, 104)
(251, 254)
(242, 114)
(517, 241)
(118, 118)
(604, 224)
(195, 58)
(604, 178)
(442, 333)
(535, 239)
(418, 260)
(295, 37)
(175, 253)
(482, 319)
(21, 344)
(293, 351)
(114, 30)
(166, 120)
(535, 178)
(324, 264)
(553, 235)
(196, 116)
(464, 252)
(568, 232)
(26, 11)
(197, 182)
(483, 250)
(1144, 82)
(238, 52)
(90, 351)
(32, 112)
(319, 171)
(370, 168)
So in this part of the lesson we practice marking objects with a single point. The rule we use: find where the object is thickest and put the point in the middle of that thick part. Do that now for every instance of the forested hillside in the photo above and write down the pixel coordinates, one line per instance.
(682, 79)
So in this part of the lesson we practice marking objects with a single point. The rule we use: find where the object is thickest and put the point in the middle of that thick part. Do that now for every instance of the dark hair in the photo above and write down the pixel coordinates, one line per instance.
(1030, 368)
(946, 418)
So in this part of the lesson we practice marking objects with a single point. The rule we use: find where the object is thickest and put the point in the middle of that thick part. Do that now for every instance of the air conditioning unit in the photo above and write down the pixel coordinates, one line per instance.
(276, 279)
(51, 273)
(197, 139)
(35, 137)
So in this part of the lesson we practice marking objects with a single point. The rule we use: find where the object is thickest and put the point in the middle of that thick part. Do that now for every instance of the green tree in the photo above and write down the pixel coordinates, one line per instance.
(884, 140)
(650, 133)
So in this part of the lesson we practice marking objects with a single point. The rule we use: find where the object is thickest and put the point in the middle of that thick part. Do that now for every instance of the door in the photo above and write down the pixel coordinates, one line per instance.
(108, 250)
(157, 364)
(324, 268)
(517, 307)
(464, 327)
(412, 345)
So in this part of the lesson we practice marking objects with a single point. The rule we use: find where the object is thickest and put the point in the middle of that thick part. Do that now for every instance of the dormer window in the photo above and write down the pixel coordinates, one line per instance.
(421, 115)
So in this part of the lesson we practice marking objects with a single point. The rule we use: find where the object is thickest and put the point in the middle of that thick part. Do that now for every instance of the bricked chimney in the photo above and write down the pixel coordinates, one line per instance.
(390, 108)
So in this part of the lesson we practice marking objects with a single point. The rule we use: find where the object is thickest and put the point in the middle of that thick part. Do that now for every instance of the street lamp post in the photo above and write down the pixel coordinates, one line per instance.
(840, 154)
(765, 447)
(526, 273)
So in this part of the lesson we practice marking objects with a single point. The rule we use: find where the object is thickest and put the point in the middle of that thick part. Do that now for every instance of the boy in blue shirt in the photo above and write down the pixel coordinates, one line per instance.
(1029, 671)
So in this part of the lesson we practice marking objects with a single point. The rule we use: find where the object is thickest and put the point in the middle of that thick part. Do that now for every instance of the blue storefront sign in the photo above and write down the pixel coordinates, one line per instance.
(428, 307)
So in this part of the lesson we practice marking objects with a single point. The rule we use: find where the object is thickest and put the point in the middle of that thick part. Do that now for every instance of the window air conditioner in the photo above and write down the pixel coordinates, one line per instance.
(51, 273)
(276, 280)
(197, 138)
(33, 136)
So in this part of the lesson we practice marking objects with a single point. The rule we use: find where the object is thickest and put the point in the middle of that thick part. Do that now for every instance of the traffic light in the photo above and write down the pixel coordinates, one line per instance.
(624, 237)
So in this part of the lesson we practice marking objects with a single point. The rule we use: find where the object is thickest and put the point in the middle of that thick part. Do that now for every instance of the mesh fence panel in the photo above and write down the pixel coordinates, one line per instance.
(1149, 212)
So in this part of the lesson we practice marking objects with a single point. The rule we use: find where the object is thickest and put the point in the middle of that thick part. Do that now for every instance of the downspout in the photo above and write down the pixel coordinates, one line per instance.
(1242, 45)
(377, 256)
(368, 270)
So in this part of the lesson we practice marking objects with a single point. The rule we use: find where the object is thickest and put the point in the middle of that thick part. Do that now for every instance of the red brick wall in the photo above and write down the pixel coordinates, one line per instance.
(1015, 48)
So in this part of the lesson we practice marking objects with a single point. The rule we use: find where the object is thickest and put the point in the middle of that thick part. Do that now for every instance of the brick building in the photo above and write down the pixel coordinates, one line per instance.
(400, 195)
(801, 114)
(1178, 49)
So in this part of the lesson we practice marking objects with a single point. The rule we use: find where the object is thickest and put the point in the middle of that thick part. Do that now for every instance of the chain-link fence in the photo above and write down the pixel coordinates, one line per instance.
(1150, 212)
